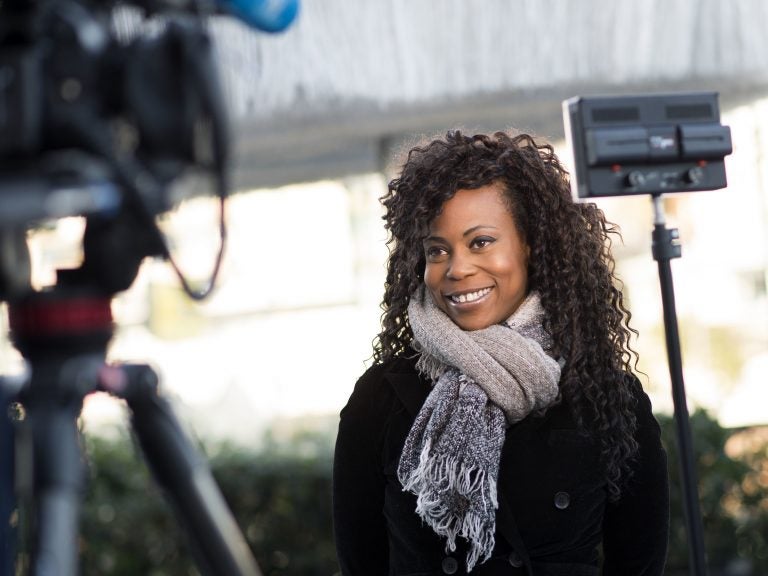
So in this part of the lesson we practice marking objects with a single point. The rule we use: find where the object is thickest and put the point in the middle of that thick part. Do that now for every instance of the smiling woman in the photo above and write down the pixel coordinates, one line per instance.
(476, 261)
(500, 429)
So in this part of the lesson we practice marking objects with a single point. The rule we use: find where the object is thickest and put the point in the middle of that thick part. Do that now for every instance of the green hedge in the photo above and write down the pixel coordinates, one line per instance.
(281, 499)
(733, 497)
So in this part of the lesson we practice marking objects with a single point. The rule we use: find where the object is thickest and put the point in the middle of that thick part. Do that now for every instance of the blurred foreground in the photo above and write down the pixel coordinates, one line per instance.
(281, 497)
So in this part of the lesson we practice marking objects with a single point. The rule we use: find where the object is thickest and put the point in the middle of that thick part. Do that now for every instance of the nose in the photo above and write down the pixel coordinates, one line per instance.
(460, 266)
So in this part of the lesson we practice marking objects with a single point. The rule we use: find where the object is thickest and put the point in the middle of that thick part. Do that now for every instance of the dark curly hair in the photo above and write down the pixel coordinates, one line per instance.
(570, 266)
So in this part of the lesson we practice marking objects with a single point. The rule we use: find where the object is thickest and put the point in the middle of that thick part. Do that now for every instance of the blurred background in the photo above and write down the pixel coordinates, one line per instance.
(320, 113)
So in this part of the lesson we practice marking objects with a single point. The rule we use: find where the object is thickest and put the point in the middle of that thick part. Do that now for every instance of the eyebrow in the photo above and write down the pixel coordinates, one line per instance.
(464, 235)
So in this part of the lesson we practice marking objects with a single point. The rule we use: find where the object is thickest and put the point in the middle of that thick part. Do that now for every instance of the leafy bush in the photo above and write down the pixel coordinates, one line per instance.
(284, 507)
(733, 498)
(127, 527)
(280, 496)
(280, 499)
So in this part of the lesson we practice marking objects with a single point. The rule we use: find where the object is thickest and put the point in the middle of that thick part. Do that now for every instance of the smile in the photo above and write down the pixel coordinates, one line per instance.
(469, 296)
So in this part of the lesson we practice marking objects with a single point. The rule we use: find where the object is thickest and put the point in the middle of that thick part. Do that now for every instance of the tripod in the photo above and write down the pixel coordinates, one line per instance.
(665, 246)
(63, 334)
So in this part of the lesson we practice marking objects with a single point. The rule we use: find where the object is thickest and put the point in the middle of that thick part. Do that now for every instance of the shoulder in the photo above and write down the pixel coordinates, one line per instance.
(381, 370)
(381, 373)
(641, 402)
(383, 383)
(386, 390)
(648, 464)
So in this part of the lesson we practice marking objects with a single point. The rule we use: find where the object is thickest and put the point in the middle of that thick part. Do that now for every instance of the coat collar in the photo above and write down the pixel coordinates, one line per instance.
(410, 388)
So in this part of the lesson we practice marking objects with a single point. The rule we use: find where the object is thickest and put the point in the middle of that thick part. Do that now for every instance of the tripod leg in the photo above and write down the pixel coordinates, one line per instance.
(53, 403)
(7, 498)
(218, 545)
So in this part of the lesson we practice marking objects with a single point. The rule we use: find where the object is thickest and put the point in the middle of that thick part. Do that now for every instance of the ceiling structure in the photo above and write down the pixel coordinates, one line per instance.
(341, 90)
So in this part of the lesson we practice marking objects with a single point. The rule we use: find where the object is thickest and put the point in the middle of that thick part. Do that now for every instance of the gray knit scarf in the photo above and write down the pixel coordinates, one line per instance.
(483, 379)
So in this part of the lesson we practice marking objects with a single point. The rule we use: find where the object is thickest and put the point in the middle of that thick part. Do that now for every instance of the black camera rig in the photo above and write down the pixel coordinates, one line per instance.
(99, 124)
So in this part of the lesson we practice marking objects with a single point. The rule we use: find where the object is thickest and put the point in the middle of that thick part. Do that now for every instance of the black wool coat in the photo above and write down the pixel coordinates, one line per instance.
(549, 477)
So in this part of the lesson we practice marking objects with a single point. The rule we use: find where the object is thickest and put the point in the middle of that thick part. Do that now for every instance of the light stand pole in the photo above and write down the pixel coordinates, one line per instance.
(665, 247)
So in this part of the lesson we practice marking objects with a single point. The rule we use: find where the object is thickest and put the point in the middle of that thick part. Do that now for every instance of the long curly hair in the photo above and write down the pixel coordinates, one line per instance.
(570, 266)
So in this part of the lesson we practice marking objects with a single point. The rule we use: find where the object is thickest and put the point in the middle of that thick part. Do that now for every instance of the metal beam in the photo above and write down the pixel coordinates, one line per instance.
(289, 150)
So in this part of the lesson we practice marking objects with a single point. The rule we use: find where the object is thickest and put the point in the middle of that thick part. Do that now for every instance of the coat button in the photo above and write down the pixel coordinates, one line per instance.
(450, 565)
(562, 500)
(515, 560)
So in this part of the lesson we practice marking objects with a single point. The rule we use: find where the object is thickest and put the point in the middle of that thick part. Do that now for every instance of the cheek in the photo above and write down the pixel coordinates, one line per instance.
(432, 277)
(519, 267)
(514, 272)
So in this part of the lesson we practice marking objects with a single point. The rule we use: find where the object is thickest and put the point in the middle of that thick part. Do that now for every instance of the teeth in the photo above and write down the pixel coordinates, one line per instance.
(471, 296)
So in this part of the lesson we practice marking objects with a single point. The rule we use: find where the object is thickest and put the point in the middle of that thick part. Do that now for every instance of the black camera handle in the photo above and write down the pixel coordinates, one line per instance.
(63, 334)
(666, 246)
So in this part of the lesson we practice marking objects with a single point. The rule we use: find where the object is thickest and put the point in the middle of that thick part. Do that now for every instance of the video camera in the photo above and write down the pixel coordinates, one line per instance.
(98, 125)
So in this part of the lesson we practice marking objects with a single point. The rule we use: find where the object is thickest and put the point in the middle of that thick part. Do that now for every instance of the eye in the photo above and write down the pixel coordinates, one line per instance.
(482, 241)
(434, 253)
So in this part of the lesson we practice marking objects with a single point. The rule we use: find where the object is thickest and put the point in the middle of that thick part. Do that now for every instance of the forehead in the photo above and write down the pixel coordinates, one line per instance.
(474, 207)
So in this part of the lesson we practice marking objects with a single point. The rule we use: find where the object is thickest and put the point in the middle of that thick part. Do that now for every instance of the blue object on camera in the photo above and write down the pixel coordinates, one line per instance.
(264, 15)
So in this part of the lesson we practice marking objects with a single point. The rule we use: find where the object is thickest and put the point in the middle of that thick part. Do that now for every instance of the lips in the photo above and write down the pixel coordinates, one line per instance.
(468, 297)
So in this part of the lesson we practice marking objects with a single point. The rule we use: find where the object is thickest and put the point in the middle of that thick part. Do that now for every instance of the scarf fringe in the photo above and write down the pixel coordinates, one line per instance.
(429, 366)
(438, 476)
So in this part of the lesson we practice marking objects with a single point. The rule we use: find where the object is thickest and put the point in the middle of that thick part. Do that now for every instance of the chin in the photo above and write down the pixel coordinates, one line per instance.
(471, 325)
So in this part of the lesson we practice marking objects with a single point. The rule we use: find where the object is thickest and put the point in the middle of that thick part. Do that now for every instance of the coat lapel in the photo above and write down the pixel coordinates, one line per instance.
(410, 389)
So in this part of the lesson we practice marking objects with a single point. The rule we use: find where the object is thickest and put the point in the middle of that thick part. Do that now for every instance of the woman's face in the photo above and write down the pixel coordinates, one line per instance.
(477, 263)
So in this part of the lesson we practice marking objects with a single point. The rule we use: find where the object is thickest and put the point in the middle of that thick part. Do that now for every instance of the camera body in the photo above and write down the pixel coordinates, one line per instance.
(100, 125)
(75, 100)
(648, 144)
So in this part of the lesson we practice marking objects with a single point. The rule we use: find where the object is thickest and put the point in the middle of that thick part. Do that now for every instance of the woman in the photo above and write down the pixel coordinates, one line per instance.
(500, 429)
